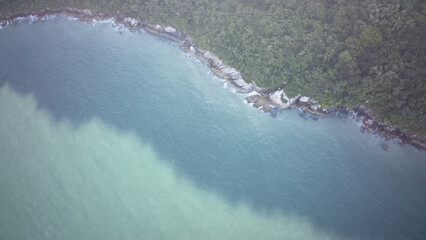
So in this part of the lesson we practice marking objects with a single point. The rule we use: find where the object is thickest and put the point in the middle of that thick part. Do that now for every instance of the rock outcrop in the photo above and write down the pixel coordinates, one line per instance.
(281, 101)
(370, 124)
(260, 102)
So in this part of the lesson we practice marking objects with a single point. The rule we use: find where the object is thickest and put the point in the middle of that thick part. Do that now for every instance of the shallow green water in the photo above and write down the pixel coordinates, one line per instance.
(92, 182)
(107, 134)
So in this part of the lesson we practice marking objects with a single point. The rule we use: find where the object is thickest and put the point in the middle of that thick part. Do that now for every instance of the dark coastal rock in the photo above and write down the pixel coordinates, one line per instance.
(174, 33)
(386, 130)
(268, 109)
(339, 111)
(168, 32)
(363, 111)
(260, 102)
(421, 144)
(310, 105)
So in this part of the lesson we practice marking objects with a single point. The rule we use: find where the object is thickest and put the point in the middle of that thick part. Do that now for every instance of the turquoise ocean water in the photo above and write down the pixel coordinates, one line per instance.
(109, 134)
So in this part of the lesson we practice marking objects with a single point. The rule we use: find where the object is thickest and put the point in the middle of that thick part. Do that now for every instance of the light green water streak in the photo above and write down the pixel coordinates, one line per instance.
(94, 182)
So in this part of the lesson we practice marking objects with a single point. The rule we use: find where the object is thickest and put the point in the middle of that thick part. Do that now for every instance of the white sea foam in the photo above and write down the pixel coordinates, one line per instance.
(71, 18)
(108, 20)
(131, 21)
(29, 19)
(32, 18)
(19, 19)
(51, 17)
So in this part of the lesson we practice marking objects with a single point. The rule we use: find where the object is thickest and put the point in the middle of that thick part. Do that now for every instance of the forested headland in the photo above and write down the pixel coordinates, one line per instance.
(339, 52)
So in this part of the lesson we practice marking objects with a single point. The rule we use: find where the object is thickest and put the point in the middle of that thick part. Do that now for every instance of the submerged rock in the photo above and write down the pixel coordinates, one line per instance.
(385, 146)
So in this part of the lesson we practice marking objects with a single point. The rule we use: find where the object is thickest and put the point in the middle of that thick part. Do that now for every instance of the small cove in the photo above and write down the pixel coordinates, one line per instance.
(325, 171)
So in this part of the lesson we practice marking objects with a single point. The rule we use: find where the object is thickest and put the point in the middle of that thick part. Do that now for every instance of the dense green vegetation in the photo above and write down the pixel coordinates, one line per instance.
(340, 52)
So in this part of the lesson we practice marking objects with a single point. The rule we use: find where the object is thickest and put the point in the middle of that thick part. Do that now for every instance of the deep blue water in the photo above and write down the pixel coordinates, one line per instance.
(326, 172)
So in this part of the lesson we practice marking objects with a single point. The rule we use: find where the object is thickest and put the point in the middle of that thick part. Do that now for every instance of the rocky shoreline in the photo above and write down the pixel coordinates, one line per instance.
(266, 100)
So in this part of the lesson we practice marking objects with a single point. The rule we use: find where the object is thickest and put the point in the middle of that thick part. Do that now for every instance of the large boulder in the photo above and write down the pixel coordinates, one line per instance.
(276, 97)
(169, 29)
(303, 99)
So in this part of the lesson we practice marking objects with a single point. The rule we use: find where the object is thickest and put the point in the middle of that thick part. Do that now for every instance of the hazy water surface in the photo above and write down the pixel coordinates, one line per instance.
(107, 134)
